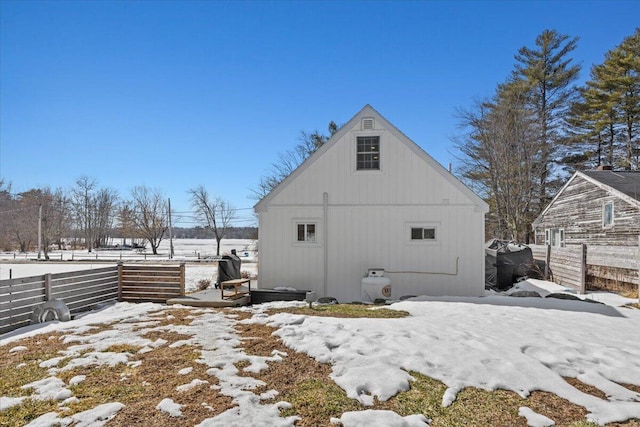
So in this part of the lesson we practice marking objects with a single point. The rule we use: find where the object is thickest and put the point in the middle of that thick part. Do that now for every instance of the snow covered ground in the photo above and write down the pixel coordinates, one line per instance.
(185, 250)
(518, 344)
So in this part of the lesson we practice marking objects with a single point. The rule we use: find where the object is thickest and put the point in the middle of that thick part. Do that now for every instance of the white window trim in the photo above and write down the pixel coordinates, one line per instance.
(435, 225)
(305, 221)
(604, 208)
(562, 236)
(354, 151)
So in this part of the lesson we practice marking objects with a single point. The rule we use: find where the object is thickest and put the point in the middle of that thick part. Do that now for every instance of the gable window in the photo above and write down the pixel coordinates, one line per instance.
(368, 153)
(607, 215)
(554, 237)
(423, 233)
(306, 232)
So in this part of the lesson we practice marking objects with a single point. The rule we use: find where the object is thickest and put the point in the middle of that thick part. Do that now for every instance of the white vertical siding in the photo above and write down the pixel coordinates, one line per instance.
(367, 224)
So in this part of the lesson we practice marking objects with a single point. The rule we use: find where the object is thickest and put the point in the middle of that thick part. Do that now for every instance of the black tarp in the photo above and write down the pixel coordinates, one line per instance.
(229, 267)
(506, 262)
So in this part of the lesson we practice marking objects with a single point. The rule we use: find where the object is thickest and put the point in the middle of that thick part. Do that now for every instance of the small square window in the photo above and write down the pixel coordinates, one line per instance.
(306, 233)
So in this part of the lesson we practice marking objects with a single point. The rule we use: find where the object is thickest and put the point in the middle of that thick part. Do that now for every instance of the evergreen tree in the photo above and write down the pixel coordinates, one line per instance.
(625, 63)
(606, 118)
(548, 72)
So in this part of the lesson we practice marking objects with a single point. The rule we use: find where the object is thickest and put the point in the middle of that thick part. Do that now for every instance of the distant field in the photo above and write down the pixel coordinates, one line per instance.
(191, 251)
(183, 249)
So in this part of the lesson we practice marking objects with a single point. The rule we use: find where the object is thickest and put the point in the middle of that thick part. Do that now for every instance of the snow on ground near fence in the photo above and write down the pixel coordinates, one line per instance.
(184, 250)
(193, 273)
(519, 344)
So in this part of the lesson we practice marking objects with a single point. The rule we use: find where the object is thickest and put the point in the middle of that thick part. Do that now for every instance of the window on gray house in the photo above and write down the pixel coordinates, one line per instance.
(423, 233)
(554, 237)
(307, 233)
(368, 153)
(607, 215)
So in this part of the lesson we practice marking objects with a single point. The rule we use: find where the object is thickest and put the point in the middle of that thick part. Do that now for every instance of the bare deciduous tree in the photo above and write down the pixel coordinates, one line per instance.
(501, 154)
(106, 201)
(82, 196)
(150, 215)
(288, 161)
(126, 223)
(56, 215)
(94, 211)
(212, 213)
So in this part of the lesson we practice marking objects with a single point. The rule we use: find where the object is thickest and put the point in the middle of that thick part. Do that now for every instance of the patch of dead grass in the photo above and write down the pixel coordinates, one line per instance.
(29, 410)
(158, 373)
(586, 388)
(344, 311)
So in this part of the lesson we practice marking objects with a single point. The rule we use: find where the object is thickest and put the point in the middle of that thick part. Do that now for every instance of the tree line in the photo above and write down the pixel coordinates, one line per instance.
(518, 147)
(91, 215)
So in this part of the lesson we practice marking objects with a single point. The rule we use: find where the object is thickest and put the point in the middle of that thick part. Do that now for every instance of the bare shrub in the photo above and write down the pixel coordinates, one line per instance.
(203, 284)
(247, 275)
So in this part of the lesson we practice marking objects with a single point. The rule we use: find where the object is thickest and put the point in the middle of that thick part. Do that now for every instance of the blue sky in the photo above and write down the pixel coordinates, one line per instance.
(175, 94)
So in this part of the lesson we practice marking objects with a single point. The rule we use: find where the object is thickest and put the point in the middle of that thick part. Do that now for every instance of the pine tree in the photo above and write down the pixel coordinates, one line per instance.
(625, 63)
(607, 114)
(549, 74)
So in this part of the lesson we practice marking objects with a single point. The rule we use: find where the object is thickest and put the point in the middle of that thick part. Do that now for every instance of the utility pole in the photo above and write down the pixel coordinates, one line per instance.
(39, 229)
(170, 233)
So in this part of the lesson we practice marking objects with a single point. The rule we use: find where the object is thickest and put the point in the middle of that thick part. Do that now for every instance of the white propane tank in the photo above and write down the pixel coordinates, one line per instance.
(375, 286)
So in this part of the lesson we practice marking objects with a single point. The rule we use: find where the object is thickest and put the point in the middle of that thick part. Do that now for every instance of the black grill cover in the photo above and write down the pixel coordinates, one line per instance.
(229, 267)
(506, 262)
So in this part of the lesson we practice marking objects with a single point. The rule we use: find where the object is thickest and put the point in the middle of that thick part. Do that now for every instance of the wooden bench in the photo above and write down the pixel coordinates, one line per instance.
(235, 284)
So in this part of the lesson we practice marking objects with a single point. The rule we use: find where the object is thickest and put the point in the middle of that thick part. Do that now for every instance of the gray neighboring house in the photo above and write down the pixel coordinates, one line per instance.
(599, 207)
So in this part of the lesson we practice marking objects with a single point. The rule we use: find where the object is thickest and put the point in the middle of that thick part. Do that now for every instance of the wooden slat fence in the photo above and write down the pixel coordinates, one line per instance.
(141, 283)
(82, 290)
(570, 267)
(18, 298)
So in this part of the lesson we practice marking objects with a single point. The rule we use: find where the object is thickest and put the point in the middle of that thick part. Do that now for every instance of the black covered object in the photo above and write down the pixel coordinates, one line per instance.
(506, 262)
(229, 267)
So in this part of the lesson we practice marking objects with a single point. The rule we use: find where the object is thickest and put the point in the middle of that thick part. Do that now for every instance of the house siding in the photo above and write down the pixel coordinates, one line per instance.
(579, 209)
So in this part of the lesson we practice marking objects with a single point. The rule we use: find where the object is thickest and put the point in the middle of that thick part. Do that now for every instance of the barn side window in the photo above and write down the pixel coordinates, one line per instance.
(423, 233)
(306, 233)
(607, 215)
(368, 153)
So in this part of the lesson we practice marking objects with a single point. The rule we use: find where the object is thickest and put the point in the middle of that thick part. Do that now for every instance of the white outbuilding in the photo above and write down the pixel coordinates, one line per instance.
(370, 198)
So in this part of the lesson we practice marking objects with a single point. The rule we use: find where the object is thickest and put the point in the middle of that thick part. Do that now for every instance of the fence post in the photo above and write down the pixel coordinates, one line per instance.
(583, 268)
(47, 287)
(547, 260)
(182, 278)
(119, 280)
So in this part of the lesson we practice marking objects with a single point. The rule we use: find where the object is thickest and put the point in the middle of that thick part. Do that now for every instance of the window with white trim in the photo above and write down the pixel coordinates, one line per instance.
(423, 233)
(368, 153)
(306, 232)
(554, 237)
(607, 215)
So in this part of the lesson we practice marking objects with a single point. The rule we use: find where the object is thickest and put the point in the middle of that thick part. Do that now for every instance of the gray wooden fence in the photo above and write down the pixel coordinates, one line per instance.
(82, 290)
(573, 265)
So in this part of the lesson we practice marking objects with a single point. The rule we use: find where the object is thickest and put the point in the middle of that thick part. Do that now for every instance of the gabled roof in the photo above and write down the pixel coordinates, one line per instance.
(369, 111)
(623, 184)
